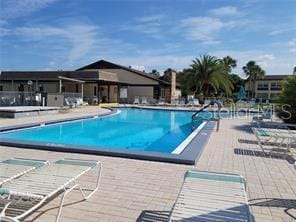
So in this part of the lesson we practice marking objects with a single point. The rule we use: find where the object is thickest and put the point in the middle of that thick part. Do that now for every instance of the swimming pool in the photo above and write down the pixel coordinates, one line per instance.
(128, 130)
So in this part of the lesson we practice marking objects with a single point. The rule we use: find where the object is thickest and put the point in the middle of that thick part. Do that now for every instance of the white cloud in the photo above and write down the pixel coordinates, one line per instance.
(81, 37)
(292, 45)
(202, 29)
(4, 31)
(281, 63)
(159, 62)
(151, 26)
(151, 18)
(225, 11)
(138, 67)
(279, 31)
(17, 8)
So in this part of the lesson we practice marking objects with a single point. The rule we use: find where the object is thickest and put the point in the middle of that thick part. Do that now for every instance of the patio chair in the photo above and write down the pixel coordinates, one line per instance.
(207, 101)
(266, 115)
(161, 101)
(270, 140)
(210, 196)
(136, 100)
(182, 102)
(144, 101)
(15, 167)
(196, 102)
(29, 192)
(251, 103)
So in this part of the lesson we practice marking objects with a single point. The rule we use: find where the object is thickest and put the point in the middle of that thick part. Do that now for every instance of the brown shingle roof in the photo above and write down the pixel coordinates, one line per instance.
(102, 64)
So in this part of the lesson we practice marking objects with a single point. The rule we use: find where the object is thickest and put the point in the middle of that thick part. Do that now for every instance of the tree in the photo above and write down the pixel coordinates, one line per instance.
(155, 73)
(169, 70)
(288, 100)
(184, 79)
(253, 72)
(294, 71)
(229, 62)
(207, 74)
(237, 81)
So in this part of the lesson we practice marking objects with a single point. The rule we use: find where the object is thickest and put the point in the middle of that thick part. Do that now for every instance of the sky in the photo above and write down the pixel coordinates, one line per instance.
(155, 34)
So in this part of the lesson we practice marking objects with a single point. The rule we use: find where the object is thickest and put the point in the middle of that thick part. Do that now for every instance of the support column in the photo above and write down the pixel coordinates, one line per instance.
(108, 93)
(82, 91)
(99, 93)
(118, 92)
(61, 86)
(37, 86)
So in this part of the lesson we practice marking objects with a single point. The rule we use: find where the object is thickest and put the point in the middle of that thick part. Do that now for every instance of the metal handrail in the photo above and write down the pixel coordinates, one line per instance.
(193, 117)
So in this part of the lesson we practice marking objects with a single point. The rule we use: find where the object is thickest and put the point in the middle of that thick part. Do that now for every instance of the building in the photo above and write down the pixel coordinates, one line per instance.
(100, 81)
(268, 87)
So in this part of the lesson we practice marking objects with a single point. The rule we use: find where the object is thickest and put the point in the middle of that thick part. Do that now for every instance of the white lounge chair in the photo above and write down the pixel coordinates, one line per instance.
(15, 167)
(144, 101)
(209, 196)
(181, 102)
(207, 101)
(271, 140)
(136, 100)
(161, 101)
(266, 115)
(196, 102)
(30, 191)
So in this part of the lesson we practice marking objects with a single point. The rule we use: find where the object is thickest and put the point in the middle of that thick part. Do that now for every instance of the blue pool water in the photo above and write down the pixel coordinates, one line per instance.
(132, 129)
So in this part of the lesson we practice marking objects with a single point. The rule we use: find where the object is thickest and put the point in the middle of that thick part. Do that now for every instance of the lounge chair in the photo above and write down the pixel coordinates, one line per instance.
(181, 102)
(266, 115)
(209, 196)
(144, 101)
(174, 102)
(196, 102)
(271, 140)
(30, 191)
(251, 103)
(15, 167)
(136, 100)
(161, 101)
(193, 102)
(207, 101)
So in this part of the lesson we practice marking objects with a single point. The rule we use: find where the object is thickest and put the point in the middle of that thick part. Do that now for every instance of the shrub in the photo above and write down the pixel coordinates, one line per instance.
(288, 101)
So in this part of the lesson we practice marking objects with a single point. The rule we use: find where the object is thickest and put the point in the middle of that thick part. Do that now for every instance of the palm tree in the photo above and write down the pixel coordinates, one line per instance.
(229, 62)
(253, 72)
(208, 73)
(155, 73)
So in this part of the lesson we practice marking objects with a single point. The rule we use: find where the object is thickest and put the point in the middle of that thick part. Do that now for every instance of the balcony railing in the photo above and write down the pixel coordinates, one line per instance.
(262, 88)
(276, 88)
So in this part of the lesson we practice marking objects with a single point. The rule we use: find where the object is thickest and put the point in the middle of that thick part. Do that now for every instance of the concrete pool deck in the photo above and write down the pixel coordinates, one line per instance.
(136, 190)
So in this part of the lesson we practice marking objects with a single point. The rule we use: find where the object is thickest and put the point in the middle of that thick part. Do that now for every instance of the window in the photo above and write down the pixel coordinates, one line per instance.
(276, 86)
(76, 88)
(262, 86)
(63, 89)
(1, 88)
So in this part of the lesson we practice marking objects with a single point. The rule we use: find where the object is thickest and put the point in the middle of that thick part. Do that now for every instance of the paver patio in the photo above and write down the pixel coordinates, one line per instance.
(136, 190)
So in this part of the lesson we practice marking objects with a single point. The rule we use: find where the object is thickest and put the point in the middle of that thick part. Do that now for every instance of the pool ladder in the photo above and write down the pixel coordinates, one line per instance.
(195, 117)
